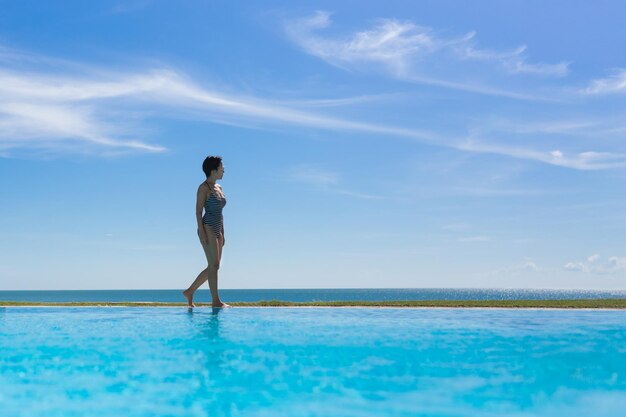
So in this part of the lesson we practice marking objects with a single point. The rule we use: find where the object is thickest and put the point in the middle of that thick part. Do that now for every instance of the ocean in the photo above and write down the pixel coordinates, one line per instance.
(300, 295)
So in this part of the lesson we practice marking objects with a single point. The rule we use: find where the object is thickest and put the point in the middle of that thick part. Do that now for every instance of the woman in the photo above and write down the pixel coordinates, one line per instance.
(210, 228)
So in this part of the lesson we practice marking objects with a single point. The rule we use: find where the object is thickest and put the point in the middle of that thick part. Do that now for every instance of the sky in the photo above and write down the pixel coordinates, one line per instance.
(369, 144)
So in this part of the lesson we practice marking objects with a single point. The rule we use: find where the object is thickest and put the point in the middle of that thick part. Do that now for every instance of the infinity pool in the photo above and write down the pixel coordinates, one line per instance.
(311, 362)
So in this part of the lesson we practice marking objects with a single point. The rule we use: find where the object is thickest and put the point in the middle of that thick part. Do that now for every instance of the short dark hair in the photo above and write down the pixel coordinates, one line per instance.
(211, 163)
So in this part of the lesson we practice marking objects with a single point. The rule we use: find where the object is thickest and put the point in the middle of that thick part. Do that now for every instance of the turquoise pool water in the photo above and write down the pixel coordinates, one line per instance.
(311, 362)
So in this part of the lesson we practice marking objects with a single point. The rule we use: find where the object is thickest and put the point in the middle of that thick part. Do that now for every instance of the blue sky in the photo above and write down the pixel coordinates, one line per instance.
(394, 144)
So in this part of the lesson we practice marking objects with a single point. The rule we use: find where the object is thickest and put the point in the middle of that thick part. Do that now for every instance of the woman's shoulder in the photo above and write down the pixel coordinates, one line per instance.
(203, 187)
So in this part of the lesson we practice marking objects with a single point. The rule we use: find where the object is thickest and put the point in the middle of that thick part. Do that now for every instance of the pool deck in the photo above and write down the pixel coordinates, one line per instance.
(619, 303)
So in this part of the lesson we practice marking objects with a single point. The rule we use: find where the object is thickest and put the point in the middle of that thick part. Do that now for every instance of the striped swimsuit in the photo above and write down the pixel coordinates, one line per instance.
(213, 212)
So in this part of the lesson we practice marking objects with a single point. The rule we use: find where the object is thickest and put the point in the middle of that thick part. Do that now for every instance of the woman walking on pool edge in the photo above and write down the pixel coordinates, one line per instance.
(210, 228)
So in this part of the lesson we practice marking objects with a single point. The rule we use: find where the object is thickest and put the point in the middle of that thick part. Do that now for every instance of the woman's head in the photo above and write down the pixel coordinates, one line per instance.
(213, 163)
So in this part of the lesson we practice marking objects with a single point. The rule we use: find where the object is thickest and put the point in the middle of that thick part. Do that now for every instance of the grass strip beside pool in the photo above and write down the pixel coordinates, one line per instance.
(617, 303)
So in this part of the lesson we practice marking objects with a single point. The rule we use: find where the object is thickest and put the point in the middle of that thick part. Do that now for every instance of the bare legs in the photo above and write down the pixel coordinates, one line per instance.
(188, 293)
(213, 252)
(209, 274)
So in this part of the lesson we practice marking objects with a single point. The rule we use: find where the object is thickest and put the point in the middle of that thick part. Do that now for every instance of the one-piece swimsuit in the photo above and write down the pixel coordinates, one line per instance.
(213, 206)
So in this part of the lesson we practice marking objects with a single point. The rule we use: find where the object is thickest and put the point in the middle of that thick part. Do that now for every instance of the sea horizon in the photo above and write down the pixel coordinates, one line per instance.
(309, 294)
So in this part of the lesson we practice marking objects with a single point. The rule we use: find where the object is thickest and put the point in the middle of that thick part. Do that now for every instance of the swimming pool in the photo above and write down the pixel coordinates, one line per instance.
(311, 362)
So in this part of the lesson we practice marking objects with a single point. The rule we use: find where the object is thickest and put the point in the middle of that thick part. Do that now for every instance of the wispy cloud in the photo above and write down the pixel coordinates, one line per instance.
(474, 239)
(411, 52)
(81, 109)
(514, 61)
(47, 125)
(522, 268)
(616, 83)
(478, 191)
(324, 179)
(354, 194)
(67, 110)
(313, 174)
(344, 101)
(478, 88)
(569, 127)
(61, 112)
(588, 160)
(594, 264)
(455, 226)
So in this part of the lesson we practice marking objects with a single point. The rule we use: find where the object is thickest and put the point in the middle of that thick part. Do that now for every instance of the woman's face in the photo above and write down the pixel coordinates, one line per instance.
(220, 171)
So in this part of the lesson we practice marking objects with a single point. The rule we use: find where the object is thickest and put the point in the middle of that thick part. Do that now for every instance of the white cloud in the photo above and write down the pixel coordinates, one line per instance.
(557, 154)
(355, 194)
(78, 108)
(615, 264)
(514, 62)
(593, 258)
(346, 101)
(410, 52)
(325, 179)
(59, 112)
(615, 83)
(569, 127)
(525, 267)
(588, 160)
(478, 191)
(455, 226)
(594, 265)
(529, 266)
(575, 266)
(479, 88)
(391, 43)
(28, 124)
(474, 239)
(67, 111)
(313, 174)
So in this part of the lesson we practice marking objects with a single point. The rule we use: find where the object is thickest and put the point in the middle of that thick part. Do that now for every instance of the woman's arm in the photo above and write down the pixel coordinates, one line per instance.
(221, 192)
(223, 235)
(200, 200)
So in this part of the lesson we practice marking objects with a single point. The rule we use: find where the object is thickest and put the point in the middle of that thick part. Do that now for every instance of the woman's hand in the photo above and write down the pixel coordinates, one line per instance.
(203, 237)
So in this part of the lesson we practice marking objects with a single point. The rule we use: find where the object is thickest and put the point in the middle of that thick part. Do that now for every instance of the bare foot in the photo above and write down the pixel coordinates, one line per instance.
(189, 296)
(220, 305)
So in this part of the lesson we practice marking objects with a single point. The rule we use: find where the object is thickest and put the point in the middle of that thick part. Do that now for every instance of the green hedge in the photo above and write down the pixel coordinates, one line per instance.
(599, 303)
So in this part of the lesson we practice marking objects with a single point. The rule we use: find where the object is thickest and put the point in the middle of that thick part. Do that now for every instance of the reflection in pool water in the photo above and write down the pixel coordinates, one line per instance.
(311, 362)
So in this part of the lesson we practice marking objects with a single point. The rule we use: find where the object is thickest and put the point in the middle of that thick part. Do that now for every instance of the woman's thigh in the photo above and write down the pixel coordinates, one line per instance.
(220, 247)
(213, 248)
